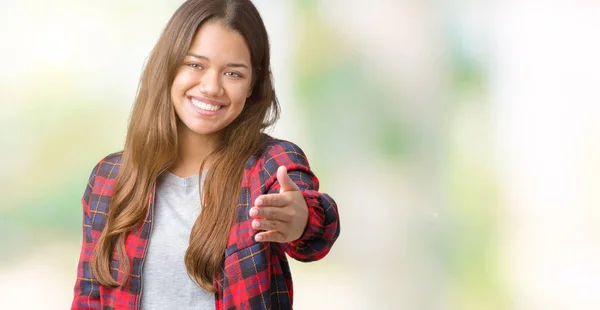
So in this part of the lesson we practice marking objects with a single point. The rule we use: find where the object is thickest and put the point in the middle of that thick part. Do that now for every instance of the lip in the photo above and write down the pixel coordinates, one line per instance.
(205, 100)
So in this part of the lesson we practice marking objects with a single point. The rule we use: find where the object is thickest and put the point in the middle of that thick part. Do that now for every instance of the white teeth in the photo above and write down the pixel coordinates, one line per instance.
(205, 106)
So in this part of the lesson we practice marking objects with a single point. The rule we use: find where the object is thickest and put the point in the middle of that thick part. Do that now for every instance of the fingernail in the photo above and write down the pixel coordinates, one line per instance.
(256, 224)
(258, 202)
(253, 212)
(258, 237)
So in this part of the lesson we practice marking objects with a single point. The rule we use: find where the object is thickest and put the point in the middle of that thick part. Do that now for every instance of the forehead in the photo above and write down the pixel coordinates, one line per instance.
(217, 42)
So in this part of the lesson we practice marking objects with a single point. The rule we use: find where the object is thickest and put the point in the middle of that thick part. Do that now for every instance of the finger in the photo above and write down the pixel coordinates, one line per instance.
(272, 200)
(264, 224)
(272, 213)
(285, 182)
(270, 236)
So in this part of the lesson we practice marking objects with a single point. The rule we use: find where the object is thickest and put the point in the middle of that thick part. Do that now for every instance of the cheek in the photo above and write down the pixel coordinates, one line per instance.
(240, 94)
(175, 89)
(180, 84)
(239, 101)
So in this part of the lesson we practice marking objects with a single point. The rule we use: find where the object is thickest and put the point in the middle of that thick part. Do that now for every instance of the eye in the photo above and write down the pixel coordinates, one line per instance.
(233, 74)
(195, 66)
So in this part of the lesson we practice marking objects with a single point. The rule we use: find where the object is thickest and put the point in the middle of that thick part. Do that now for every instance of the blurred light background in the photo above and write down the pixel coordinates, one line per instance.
(461, 140)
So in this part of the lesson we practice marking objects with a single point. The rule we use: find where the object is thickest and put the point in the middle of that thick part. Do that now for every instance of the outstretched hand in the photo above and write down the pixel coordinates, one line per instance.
(282, 217)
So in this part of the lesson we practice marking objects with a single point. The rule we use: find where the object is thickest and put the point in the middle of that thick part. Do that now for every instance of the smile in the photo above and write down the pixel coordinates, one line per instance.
(205, 106)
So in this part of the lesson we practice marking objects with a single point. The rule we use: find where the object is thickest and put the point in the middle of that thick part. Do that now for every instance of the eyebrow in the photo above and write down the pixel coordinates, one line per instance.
(233, 65)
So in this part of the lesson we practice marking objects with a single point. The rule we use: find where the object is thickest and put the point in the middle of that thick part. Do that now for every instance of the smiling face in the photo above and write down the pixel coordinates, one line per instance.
(215, 78)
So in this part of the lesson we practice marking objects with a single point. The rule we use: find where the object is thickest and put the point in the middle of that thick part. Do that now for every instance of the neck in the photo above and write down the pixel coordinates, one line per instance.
(192, 150)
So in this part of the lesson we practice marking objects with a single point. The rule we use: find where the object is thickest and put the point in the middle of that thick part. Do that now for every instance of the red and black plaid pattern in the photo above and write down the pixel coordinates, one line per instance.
(255, 275)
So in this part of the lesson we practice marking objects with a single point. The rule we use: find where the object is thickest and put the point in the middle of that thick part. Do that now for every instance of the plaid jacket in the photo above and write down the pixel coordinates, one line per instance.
(254, 276)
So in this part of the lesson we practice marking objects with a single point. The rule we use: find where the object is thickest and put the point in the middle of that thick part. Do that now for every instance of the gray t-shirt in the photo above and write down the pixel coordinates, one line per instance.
(165, 281)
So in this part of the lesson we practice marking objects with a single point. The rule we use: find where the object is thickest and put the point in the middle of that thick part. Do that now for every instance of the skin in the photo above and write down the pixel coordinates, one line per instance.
(217, 70)
(284, 216)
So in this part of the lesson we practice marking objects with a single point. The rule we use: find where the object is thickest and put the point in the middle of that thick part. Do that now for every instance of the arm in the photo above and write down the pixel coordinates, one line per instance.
(323, 227)
(87, 290)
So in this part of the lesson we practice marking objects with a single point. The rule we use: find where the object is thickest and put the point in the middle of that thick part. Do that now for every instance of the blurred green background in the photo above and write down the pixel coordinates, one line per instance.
(460, 140)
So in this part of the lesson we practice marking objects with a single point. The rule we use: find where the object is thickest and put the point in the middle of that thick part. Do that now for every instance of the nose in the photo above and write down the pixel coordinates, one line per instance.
(210, 84)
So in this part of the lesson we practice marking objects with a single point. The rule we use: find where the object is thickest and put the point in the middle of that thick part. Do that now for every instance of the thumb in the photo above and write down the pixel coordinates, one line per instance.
(285, 182)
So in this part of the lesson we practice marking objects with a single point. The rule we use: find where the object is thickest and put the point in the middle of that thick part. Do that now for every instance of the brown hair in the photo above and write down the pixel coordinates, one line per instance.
(151, 143)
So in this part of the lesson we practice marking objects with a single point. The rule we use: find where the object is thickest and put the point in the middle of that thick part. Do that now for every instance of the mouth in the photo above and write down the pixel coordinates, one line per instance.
(205, 107)
(200, 104)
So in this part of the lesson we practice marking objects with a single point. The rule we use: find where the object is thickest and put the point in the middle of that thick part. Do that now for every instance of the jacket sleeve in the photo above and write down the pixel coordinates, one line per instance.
(87, 290)
(323, 226)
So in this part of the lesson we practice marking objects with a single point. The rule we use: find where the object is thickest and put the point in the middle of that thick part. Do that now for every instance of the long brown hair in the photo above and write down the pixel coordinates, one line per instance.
(151, 143)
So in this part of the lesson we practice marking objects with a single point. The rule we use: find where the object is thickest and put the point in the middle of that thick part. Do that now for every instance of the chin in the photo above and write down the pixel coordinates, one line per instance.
(198, 129)
(204, 131)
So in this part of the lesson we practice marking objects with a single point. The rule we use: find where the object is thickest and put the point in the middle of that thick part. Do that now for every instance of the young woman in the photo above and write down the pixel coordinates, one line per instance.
(201, 207)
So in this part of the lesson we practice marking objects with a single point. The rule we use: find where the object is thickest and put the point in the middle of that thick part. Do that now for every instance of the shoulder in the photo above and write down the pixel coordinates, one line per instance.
(273, 153)
(108, 167)
(282, 152)
(276, 153)
(102, 178)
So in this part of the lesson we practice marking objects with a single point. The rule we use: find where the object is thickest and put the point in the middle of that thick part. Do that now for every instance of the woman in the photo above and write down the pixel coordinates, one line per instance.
(200, 208)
